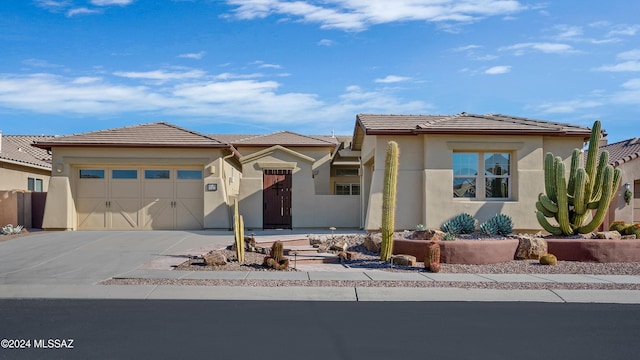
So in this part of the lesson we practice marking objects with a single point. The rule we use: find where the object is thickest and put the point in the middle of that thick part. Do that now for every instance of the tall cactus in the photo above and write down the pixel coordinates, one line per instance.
(591, 187)
(389, 200)
(238, 232)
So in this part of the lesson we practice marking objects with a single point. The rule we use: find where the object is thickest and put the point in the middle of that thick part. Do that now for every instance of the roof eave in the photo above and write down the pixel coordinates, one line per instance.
(26, 164)
(48, 146)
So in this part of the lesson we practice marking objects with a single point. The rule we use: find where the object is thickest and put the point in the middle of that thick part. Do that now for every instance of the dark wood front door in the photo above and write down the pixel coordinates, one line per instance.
(277, 199)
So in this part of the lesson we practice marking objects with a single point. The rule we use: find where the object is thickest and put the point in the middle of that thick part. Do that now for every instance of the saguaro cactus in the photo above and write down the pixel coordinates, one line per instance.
(389, 200)
(238, 232)
(591, 187)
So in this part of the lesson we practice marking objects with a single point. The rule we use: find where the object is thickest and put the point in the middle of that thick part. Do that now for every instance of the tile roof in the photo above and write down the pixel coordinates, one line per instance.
(18, 149)
(465, 123)
(284, 138)
(623, 151)
(159, 134)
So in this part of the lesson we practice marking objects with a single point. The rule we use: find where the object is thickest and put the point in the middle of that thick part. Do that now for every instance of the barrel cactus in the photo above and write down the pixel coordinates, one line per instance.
(432, 257)
(548, 259)
(569, 201)
(619, 226)
(389, 200)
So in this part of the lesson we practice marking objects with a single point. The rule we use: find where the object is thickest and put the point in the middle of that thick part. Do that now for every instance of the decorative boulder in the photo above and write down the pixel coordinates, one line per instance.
(429, 234)
(530, 248)
(405, 260)
(609, 235)
(215, 259)
(373, 242)
(346, 255)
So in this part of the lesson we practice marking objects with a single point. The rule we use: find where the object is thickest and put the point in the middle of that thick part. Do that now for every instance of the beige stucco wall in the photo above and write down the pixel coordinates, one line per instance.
(60, 212)
(311, 204)
(618, 209)
(425, 178)
(14, 177)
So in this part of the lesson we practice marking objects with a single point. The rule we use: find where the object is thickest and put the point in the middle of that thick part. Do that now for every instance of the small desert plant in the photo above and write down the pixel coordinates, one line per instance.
(449, 237)
(498, 224)
(432, 257)
(619, 226)
(11, 230)
(421, 227)
(548, 259)
(633, 230)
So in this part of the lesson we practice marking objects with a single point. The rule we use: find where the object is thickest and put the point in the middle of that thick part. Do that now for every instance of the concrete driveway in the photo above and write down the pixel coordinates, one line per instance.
(88, 257)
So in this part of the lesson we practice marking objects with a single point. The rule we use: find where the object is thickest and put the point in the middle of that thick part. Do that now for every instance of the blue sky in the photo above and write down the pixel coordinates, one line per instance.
(309, 66)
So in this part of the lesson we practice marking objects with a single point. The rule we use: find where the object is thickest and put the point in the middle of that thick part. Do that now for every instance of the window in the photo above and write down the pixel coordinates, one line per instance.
(91, 174)
(347, 189)
(157, 174)
(124, 174)
(189, 174)
(34, 184)
(494, 179)
(346, 172)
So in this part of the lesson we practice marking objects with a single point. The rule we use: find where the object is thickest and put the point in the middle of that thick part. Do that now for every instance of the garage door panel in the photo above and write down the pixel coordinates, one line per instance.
(92, 214)
(158, 214)
(189, 189)
(124, 213)
(189, 214)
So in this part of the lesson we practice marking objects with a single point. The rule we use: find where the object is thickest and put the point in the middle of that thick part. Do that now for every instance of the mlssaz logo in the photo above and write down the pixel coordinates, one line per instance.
(53, 344)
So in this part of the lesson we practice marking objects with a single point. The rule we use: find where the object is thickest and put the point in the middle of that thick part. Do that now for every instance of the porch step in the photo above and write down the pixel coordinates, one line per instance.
(300, 250)
(319, 258)
(288, 241)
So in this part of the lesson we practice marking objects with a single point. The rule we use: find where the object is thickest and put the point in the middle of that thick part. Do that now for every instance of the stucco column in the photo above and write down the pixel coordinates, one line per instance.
(59, 211)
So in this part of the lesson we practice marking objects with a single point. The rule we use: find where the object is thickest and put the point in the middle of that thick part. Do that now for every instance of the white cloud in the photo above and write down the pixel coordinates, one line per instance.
(628, 30)
(568, 107)
(40, 63)
(545, 47)
(110, 2)
(196, 56)
(629, 95)
(161, 75)
(270, 66)
(220, 97)
(496, 70)
(630, 55)
(392, 79)
(466, 48)
(633, 65)
(52, 4)
(82, 11)
(357, 15)
(325, 42)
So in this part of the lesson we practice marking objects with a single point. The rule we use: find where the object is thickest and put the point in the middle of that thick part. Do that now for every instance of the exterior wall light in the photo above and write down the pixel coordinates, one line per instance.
(628, 195)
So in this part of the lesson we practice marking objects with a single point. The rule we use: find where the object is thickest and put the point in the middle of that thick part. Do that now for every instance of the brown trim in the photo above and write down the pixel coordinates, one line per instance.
(48, 146)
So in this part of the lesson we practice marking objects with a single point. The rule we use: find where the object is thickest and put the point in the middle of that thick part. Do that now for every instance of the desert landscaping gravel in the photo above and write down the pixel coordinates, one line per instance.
(365, 260)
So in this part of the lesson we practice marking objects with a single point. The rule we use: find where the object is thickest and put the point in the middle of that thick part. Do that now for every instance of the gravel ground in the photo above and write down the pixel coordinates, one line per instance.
(367, 260)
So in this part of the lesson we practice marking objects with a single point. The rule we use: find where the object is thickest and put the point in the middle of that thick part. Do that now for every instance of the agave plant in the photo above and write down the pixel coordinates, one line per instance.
(498, 224)
(11, 230)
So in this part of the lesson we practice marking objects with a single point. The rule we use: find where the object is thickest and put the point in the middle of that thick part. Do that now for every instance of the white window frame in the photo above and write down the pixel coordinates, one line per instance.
(481, 178)
(349, 185)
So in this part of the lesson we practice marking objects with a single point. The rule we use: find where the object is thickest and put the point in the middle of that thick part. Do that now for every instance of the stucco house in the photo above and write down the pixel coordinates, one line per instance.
(22, 166)
(624, 155)
(161, 176)
(24, 176)
(478, 164)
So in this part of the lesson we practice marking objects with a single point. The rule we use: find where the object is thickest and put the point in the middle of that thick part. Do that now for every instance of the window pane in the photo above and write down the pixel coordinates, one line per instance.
(31, 184)
(38, 185)
(497, 187)
(464, 187)
(465, 164)
(189, 174)
(124, 174)
(355, 189)
(342, 189)
(157, 174)
(496, 164)
(91, 174)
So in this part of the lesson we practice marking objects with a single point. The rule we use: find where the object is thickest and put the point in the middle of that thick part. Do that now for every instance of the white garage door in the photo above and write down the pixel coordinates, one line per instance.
(140, 198)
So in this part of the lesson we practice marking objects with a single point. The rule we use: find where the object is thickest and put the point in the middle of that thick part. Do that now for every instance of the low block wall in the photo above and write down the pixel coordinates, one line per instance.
(595, 250)
(461, 251)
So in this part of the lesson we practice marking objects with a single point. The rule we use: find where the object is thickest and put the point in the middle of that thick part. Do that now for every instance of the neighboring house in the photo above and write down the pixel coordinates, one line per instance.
(151, 176)
(624, 155)
(296, 181)
(476, 164)
(22, 166)
(24, 170)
